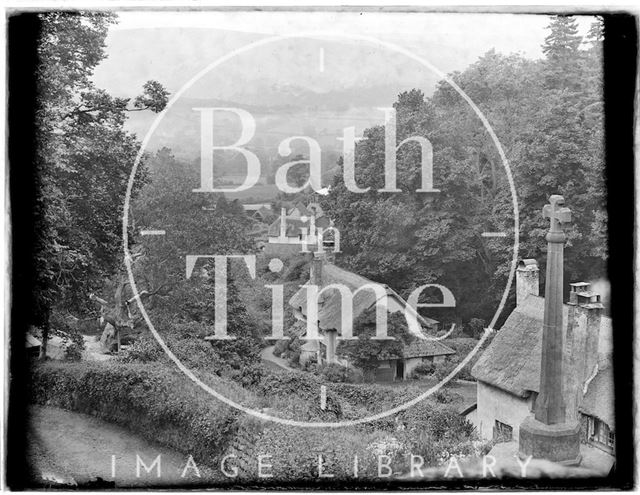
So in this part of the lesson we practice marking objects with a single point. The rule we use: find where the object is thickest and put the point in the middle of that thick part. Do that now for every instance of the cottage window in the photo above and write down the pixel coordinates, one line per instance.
(502, 432)
(600, 432)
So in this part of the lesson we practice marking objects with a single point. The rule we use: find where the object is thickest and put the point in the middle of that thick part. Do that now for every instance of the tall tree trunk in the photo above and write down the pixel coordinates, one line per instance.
(45, 337)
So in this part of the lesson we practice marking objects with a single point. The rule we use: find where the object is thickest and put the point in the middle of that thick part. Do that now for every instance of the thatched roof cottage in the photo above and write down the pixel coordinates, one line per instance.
(508, 372)
(391, 367)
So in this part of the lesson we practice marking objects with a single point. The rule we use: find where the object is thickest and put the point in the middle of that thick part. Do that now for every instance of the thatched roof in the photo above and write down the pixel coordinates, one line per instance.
(329, 309)
(512, 360)
(599, 399)
(426, 348)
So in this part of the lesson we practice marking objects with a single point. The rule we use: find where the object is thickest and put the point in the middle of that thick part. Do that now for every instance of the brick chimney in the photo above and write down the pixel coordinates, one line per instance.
(527, 280)
(581, 342)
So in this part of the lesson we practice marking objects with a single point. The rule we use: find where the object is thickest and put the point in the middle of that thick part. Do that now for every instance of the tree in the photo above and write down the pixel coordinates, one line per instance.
(564, 152)
(561, 48)
(548, 116)
(83, 157)
(193, 226)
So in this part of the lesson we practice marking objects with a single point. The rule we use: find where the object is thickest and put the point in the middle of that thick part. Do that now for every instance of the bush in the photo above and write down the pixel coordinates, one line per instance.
(303, 387)
(475, 327)
(338, 374)
(422, 370)
(74, 348)
(144, 350)
(446, 396)
(295, 452)
(73, 352)
(156, 403)
(436, 421)
(294, 358)
(280, 347)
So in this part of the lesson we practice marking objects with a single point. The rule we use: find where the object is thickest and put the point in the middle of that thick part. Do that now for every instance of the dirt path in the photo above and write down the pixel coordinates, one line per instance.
(68, 448)
(268, 357)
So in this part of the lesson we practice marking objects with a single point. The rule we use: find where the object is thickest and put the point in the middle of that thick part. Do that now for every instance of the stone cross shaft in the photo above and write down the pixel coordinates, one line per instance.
(550, 404)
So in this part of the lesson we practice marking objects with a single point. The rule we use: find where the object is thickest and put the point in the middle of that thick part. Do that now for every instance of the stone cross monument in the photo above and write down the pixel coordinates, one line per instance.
(549, 435)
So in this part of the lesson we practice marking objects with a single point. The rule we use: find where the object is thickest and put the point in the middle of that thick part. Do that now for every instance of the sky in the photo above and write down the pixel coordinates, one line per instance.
(452, 40)
(314, 84)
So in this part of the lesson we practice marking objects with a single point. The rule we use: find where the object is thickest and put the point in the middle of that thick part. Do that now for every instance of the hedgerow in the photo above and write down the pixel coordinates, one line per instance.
(302, 388)
(151, 400)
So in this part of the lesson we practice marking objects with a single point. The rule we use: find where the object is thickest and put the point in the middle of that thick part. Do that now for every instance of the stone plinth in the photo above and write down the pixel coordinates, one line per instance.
(557, 442)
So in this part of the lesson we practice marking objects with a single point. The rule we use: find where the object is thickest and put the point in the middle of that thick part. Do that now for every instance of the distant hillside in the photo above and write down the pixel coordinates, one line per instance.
(280, 84)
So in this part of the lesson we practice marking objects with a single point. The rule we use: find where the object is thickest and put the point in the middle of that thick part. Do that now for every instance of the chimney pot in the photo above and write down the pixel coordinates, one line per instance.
(527, 280)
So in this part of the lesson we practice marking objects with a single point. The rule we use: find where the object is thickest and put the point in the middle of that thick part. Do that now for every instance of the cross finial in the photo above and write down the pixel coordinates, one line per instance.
(556, 212)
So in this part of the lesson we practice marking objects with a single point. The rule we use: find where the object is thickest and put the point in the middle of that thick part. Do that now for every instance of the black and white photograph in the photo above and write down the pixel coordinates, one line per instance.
(319, 248)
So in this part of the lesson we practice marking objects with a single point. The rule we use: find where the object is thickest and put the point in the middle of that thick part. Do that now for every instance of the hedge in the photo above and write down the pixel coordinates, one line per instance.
(153, 401)
(162, 405)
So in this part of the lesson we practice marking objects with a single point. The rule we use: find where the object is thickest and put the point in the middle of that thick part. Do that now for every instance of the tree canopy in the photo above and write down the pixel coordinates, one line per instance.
(83, 160)
(548, 117)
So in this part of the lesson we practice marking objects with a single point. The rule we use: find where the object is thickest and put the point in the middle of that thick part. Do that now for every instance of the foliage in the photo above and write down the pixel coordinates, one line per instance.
(196, 226)
(437, 421)
(183, 309)
(548, 115)
(236, 360)
(337, 373)
(301, 388)
(280, 346)
(446, 396)
(83, 160)
(475, 327)
(160, 405)
(295, 452)
(366, 352)
(422, 370)
(73, 350)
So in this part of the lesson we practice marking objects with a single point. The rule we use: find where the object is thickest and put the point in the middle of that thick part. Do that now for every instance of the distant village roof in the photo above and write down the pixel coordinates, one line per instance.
(426, 348)
(256, 207)
(512, 361)
(302, 209)
(293, 226)
(329, 310)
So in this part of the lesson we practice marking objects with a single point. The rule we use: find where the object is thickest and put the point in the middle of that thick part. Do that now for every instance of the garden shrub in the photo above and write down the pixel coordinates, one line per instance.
(294, 358)
(301, 386)
(436, 432)
(446, 396)
(295, 452)
(438, 421)
(475, 327)
(337, 373)
(232, 360)
(310, 365)
(280, 347)
(422, 370)
(74, 347)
